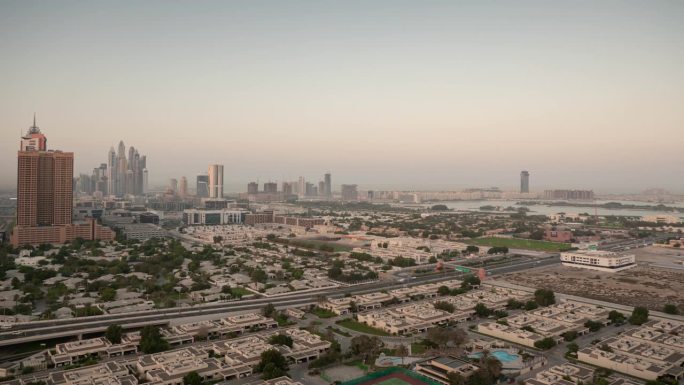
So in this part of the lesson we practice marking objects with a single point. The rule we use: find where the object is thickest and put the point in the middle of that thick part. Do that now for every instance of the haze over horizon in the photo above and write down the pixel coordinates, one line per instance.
(408, 95)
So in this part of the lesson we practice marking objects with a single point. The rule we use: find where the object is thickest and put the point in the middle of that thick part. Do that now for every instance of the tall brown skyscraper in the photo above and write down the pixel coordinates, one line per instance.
(45, 196)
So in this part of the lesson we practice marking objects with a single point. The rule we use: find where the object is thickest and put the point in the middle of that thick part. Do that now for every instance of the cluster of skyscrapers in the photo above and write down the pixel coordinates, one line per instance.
(126, 175)
(304, 189)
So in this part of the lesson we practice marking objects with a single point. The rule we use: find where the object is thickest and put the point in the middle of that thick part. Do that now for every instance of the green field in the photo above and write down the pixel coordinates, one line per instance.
(323, 313)
(417, 348)
(393, 381)
(361, 327)
(239, 290)
(516, 243)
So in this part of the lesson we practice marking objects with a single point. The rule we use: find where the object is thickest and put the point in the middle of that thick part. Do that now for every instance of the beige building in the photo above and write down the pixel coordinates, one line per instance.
(552, 321)
(110, 373)
(598, 260)
(439, 368)
(650, 351)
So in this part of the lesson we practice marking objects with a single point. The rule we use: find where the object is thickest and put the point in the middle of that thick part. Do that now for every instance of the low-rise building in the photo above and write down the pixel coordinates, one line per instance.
(440, 368)
(598, 260)
(651, 351)
(547, 322)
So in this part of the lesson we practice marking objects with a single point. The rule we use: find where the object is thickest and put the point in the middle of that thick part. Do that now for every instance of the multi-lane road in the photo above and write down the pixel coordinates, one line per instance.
(50, 329)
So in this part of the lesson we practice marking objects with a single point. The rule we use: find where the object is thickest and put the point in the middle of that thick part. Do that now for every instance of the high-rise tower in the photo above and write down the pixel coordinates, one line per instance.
(328, 185)
(216, 181)
(45, 195)
(524, 182)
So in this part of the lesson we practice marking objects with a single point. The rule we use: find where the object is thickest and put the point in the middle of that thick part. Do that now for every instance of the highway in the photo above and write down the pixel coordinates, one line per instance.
(50, 329)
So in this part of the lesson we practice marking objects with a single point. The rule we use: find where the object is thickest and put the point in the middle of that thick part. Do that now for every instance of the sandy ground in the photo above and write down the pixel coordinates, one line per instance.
(649, 284)
(343, 373)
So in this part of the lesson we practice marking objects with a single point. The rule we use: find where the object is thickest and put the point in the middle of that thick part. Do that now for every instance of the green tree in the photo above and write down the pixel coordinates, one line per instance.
(258, 275)
(280, 339)
(365, 346)
(113, 333)
(272, 365)
(151, 340)
(455, 378)
(670, 309)
(545, 344)
(572, 347)
(544, 297)
(482, 310)
(445, 306)
(192, 378)
(639, 316)
(498, 250)
(531, 305)
(472, 249)
(107, 294)
(443, 290)
(616, 317)
(593, 325)
(269, 310)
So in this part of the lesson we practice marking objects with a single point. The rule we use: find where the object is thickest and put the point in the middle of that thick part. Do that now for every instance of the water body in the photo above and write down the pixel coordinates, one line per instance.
(543, 209)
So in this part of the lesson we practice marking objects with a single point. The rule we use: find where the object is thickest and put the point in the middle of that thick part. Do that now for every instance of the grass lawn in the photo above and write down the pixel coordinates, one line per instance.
(323, 313)
(361, 327)
(515, 243)
(239, 290)
(417, 348)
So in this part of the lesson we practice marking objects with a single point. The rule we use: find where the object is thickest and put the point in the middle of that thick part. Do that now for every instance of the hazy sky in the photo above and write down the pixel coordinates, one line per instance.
(402, 94)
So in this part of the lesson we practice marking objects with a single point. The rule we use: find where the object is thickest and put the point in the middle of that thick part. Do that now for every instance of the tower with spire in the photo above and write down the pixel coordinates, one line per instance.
(34, 140)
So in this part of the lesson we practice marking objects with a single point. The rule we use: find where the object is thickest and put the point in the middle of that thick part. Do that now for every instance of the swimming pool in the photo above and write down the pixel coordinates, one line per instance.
(501, 355)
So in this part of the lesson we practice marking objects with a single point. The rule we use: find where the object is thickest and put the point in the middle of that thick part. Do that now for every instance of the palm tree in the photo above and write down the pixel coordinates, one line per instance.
(402, 351)
(490, 365)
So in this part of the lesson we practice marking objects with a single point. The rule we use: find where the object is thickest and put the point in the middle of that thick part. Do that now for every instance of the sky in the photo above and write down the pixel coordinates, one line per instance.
(387, 94)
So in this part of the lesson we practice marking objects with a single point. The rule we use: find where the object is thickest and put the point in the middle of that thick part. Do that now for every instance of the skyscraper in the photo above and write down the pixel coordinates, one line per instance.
(111, 171)
(301, 187)
(125, 175)
(173, 185)
(349, 192)
(183, 187)
(252, 188)
(145, 187)
(328, 185)
(270, 187)
(202, 189)
(524, 182)
(45, 195)
(216, 181)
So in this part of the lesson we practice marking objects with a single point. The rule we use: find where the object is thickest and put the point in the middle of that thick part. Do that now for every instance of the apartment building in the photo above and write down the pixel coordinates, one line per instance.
(71, 352)
(552, 322)
(408, 319)
(169, 368)
(109, 373)
(651, 351)
(565, 374)
(598, 260)
(247, 350)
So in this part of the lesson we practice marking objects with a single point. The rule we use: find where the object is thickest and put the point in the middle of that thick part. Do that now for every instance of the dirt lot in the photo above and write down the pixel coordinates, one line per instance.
(648, 284)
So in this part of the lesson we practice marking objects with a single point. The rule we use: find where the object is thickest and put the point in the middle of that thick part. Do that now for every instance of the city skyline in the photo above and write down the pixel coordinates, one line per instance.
(379, 93)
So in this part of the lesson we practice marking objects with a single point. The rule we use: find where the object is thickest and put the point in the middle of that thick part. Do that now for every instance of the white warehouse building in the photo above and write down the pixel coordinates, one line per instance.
(598, 260)
(213, 217)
